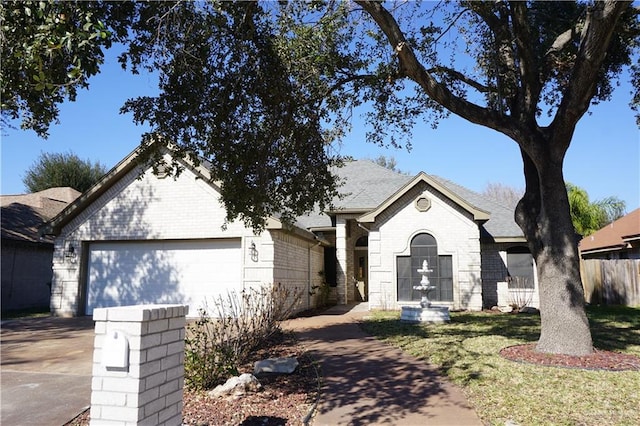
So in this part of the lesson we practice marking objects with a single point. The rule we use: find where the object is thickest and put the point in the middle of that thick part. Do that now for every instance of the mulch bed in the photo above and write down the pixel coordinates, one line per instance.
(284, 399)
(599, 360)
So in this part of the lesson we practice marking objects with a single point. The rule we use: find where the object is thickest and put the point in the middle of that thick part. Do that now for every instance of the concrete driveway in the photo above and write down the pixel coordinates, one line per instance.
(45, 371)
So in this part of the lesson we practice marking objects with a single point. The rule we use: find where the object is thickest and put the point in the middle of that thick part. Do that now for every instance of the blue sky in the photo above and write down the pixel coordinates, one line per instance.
(604, 157)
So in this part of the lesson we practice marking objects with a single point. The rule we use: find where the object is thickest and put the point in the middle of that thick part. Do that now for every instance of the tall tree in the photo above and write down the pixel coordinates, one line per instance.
(588, 216)
(52, 170)
(387, 162)
(505, 194)
(261, 89)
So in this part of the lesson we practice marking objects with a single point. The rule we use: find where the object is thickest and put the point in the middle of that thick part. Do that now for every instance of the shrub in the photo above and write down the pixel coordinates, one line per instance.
(226, 333)
(520, 292)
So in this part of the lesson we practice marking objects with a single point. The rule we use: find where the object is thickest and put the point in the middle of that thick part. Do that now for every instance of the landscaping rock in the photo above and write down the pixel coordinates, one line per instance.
(505, 309)
(237, 386)
(275, 365)
(529, 310)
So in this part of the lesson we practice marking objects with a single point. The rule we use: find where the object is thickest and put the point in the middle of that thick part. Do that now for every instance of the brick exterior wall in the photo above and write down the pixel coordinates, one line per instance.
(298, 264)
(150, 208)
(347, 233)
(455, 232)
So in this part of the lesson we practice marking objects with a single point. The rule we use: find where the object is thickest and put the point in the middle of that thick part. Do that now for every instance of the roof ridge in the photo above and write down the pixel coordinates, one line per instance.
(484, 197)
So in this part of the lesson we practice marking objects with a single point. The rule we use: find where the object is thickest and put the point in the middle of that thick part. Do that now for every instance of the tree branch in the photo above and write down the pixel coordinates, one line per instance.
(348, 79)
(412, 68)
(561, 41)
(530, 86)
(459, 76)
(598, 29)
(507, 78)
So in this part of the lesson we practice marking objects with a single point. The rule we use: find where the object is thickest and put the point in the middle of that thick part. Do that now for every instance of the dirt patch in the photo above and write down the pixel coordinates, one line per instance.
(599, 360)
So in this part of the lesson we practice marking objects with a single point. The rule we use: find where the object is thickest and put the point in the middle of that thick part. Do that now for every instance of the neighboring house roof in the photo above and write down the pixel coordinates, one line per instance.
(618, 235)
(22, 215)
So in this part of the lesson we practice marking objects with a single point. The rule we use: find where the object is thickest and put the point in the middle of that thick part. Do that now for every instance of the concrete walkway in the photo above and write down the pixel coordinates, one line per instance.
(366, 382)
(46, 374)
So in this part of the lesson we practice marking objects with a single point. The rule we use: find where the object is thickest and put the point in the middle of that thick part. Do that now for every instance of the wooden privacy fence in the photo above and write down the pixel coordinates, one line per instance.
(611, 282)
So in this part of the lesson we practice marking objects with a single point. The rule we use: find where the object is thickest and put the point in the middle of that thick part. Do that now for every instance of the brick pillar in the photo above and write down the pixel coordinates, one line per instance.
(138, 365)
(341, 256)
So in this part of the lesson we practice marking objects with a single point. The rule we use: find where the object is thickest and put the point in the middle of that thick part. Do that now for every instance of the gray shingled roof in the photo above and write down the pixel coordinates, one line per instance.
(22, 215)
(501, 223)
(366, 185)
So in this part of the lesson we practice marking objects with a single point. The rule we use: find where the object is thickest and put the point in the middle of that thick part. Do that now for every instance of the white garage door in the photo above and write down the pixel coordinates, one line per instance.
(185, 272)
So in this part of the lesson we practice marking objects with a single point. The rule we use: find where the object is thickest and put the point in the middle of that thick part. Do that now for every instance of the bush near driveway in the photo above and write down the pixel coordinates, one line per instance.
(467, 351)
(236, 324)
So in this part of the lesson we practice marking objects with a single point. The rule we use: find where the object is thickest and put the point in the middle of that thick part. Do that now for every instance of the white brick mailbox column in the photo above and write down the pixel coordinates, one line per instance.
(138, 365)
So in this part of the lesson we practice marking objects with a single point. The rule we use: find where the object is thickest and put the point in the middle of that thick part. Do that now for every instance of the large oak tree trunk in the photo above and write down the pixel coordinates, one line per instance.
(543, 214)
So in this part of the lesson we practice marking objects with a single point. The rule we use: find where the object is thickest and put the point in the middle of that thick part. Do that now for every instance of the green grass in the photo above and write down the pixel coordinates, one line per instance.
(467, 351)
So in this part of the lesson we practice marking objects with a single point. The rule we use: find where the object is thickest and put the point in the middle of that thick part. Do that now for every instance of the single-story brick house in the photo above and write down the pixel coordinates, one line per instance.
(156, 239)
(26, 257)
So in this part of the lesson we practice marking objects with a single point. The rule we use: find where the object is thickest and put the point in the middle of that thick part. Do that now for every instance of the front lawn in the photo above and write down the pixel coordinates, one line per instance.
(467, 351)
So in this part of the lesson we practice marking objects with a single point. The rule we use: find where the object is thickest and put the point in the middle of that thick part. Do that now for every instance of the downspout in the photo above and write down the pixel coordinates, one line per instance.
(311, 247)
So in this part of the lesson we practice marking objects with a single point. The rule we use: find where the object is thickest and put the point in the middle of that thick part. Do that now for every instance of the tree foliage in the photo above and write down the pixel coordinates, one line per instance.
(587, 216)
(504, 194)
(52, 170)
(387, 162)
(262, 90)
(49, 51)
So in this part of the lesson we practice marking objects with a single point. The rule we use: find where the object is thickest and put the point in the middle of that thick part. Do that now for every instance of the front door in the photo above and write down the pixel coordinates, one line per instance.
(361, 275)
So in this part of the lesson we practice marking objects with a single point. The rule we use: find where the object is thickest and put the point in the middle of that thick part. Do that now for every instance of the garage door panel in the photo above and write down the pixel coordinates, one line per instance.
(189, 272)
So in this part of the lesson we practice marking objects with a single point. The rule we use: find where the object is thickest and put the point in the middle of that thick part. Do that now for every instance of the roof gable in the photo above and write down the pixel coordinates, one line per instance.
(126, 166)
(476, 213)
(367, 185)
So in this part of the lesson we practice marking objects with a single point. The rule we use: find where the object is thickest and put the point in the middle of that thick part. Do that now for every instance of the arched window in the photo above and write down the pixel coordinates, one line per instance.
(362, 241)
(424, 247)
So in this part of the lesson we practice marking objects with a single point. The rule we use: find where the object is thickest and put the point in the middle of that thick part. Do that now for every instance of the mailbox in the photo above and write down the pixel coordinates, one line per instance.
(115, 352)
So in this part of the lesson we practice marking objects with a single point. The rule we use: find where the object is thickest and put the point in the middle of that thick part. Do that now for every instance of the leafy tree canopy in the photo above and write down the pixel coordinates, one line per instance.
(49, 51)
(587, 216)
(52, 170)
(262, 91)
